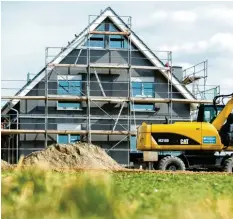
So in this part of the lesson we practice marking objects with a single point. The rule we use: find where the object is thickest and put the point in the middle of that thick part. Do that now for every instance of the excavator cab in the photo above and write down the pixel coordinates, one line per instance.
(207, 113)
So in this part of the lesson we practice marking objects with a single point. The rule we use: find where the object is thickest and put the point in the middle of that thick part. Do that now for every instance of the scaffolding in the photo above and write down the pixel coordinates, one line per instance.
(54, 64)
(195, 79)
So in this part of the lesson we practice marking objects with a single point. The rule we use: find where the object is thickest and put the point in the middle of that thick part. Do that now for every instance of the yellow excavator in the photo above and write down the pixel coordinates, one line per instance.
(200, 144)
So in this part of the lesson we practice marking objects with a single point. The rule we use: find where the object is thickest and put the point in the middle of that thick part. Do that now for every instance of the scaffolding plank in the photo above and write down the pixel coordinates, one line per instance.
(149, 67)
(167, 100)
(110, 33)
(97, 132)
(108, 99)
(190, 79)
(109, 65)
(23, 97)
(51, 98)
(68, 65)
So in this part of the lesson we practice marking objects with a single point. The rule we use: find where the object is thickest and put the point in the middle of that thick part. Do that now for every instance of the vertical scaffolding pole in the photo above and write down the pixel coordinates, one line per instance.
(205, 75)
(129, 88)
(171, 96)
(168, 89)
(88, 83)
(46, 98)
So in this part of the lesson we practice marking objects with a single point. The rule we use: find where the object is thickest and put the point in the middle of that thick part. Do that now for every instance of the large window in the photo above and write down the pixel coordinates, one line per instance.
(143, 87)
(69, 85)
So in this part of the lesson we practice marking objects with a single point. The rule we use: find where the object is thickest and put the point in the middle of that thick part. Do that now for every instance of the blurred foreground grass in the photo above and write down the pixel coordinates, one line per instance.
(37, 193)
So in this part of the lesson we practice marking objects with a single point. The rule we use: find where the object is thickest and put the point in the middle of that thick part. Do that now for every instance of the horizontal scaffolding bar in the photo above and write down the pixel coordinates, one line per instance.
(107, 99)
(100, 117)
(110, 33)
(168, 100)
(108, 65)
(96, 132)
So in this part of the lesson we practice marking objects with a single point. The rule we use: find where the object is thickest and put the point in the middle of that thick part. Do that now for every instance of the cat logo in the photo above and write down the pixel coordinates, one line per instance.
(184, 141)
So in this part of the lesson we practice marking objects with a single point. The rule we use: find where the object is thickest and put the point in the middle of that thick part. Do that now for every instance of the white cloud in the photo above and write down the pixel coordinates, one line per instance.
(223, 40)
(184, 16)
(159, 16)
(218, 42)
(215, 13)
(220, 13)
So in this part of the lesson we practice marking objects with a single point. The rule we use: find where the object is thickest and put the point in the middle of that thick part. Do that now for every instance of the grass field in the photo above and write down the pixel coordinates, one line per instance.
(37, 193)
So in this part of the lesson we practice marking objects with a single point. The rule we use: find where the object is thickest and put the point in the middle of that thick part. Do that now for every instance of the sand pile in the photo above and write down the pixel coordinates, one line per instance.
(79, 155)
(5, 165)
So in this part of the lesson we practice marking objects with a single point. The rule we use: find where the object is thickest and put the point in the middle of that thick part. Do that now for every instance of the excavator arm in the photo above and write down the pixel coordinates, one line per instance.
(224, 114)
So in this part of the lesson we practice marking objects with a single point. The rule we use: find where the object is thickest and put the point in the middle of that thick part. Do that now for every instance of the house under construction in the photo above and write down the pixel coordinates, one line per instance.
(98, 89)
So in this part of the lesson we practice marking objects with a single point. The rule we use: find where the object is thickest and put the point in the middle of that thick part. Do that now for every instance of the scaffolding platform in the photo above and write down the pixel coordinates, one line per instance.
(190, 79)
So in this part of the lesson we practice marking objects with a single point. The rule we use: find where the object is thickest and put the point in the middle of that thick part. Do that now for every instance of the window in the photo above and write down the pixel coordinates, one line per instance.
(137, 89)
(118, 42)
(69, 105)
(142, 107)
(96, 40)
(65, 139)
(74, 138)
(143, 87)
(133, 144)
(101, 27)
(112, 28)
(207, 116)
(71, 86)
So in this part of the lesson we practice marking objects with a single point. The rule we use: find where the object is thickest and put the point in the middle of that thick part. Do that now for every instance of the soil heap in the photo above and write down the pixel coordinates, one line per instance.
(78, 156)
(5, 165)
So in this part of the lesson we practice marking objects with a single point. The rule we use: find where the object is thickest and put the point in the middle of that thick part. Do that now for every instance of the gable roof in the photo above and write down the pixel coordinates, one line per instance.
(79, 39)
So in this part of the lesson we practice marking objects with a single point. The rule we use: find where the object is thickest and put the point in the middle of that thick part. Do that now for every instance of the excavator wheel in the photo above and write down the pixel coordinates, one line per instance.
(171, 164)
(228, 165)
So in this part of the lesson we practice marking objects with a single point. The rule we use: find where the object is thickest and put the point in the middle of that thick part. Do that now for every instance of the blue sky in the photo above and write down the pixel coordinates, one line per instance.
(194, 31)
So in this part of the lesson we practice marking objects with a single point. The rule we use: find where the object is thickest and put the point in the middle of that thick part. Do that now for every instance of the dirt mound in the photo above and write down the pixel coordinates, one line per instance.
(79, 155)
(5, 165)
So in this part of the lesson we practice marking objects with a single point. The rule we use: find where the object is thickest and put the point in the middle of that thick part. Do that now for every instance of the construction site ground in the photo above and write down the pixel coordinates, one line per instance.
(79, 157)
(68, 183)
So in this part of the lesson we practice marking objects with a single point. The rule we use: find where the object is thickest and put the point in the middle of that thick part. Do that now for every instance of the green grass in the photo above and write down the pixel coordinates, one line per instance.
(38, 193)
